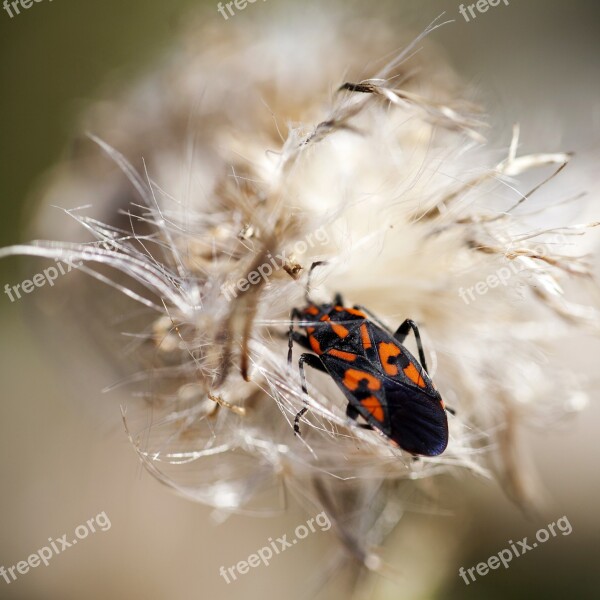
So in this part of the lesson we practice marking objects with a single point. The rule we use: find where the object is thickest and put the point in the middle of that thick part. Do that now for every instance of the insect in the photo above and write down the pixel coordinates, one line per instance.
(381, 379)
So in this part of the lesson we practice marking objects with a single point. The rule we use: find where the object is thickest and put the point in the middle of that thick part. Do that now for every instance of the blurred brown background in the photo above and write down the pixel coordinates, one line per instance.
(63, 454)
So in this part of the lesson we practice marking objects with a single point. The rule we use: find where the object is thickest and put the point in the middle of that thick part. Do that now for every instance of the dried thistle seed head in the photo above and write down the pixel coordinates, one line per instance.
(250, 149)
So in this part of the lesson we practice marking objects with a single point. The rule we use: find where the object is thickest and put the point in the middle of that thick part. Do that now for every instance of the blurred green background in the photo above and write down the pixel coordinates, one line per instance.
(61, 463)
(55, 59)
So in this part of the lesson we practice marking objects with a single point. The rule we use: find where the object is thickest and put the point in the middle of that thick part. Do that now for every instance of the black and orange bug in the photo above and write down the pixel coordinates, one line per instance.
(381, 379)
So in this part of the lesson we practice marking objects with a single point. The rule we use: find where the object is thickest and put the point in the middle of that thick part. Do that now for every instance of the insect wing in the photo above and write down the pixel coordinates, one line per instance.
(391, 391)
(397, 363)
(418, 422)
(362, 386)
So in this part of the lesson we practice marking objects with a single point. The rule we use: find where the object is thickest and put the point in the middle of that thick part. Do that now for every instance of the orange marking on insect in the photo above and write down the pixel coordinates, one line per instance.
(339, 330)
(310, 329)
(374, 407)
(314, 344)
(364, 336)
(351, 311)
(413, 374)
(343, 355)
(353, 377)
(388, 350)
(311, 310)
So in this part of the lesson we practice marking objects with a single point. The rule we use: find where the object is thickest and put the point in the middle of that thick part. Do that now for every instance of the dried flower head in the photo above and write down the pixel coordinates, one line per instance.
(261, 157)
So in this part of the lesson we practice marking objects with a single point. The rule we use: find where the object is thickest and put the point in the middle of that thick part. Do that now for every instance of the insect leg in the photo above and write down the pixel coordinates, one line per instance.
(301, 339)
(292, 334)
(312, 361)
(353, 414)
(338, 300)
(401, 334)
